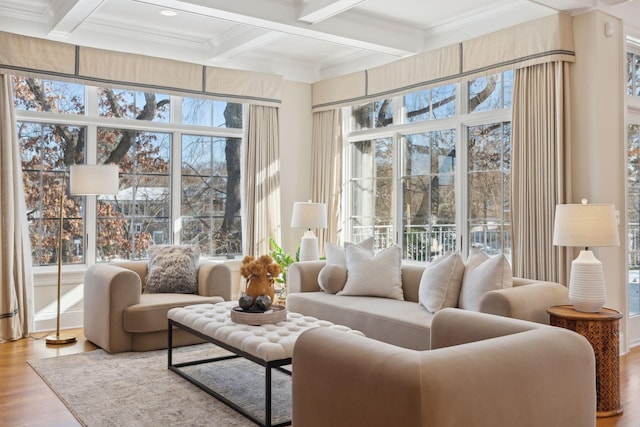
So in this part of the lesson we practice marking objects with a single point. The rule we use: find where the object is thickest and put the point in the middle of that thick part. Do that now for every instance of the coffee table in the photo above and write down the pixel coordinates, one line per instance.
(268, 345)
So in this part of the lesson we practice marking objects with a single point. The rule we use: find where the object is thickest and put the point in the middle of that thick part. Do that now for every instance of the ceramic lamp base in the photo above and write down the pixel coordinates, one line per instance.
(309, 247)
(587, 292)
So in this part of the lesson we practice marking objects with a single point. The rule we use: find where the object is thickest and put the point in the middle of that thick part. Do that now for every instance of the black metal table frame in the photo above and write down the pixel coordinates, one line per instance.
(268, 365)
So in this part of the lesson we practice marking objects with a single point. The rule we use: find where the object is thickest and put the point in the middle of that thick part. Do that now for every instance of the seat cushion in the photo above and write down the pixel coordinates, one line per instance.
(151, 314)
(402, 323)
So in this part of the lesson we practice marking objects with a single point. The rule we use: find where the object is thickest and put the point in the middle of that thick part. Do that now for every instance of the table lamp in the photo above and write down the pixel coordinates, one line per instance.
(309, 215)
(83, 180)
(585, 225)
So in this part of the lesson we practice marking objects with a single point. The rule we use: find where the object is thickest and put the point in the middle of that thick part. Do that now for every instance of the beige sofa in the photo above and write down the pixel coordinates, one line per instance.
(406, 323)
(483, 370)
(119, 317)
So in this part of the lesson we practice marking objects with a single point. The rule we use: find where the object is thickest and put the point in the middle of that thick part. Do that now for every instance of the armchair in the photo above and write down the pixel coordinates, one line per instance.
(118, 317)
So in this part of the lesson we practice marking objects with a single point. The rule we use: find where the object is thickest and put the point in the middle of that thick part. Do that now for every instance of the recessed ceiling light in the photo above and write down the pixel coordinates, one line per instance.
(169, 12)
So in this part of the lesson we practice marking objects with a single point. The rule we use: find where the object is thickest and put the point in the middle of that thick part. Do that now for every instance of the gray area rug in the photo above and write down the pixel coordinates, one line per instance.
(137, 389)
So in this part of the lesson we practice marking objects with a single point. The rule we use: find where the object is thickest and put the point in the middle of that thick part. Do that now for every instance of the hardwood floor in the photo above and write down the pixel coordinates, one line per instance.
(25, 400)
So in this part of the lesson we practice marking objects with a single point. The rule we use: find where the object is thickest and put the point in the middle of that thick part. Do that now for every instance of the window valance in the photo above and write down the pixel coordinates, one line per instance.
(543, 40)
(62, 61)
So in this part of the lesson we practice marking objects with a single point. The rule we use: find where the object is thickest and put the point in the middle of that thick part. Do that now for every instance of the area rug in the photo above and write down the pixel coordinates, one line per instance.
(137, 389)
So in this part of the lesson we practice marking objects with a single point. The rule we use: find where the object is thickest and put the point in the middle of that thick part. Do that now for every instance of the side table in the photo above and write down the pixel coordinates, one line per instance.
(601, 330)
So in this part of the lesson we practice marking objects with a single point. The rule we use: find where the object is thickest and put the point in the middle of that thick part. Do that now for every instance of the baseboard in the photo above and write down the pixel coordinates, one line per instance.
(47, 321)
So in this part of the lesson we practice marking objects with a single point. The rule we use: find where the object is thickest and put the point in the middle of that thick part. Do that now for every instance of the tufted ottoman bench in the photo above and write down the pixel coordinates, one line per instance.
(269, 345)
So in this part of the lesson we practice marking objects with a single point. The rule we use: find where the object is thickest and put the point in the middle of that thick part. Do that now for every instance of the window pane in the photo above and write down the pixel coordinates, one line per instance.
(490, 93)
(141, 208)
(128, 104)
(31, 94)
(204, 112)
(44, 148)
(488, 179)
(429, 194)
(417, 106)
(443, 101)
(371, 191)
(210, 209)
(373, 115)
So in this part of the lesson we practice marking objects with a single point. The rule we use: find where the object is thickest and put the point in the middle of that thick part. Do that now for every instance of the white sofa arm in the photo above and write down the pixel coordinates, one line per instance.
(528, 302)
(103, 312)
(303, 276)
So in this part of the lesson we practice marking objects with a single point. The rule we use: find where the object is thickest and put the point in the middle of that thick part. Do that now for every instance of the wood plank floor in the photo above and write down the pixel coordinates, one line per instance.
(25, 400)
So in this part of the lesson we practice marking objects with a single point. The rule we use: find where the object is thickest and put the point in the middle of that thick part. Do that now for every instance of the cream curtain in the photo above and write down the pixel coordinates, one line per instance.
(261, 207)
(16, 282)
(326, 170)
(540, 169)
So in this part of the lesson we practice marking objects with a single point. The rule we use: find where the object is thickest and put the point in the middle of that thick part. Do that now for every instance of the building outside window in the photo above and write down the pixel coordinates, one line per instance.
(410, 160)
(179, 161)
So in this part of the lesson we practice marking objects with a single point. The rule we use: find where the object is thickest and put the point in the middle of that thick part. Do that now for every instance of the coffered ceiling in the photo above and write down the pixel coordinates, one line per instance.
(303, 40)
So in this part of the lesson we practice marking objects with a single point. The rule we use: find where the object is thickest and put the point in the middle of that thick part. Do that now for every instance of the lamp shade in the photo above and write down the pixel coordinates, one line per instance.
(309, 215)
(585, 225)
(93, 179)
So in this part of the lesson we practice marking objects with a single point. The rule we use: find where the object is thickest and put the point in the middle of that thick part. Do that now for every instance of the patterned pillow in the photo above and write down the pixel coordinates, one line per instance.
(172, 269)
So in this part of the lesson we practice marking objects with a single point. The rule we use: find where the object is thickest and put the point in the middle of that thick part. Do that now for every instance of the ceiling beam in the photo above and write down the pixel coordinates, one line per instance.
(240, 40)
(391, 39)
(69, 14)
(314, 11)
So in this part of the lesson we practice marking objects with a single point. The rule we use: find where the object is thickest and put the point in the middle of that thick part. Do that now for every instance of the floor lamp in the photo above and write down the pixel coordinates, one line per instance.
(586, 225)
(309, 215)
(83, 180)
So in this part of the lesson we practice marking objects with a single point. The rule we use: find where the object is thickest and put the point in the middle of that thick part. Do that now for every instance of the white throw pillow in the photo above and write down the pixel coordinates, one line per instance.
(374, 275)
(333, 275)
(481, 275)
(335, 254)
(440, 283)
(172, 269)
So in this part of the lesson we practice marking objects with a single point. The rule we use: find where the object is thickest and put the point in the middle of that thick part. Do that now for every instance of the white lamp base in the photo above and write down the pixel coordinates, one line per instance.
(587, 292)
(309, 247)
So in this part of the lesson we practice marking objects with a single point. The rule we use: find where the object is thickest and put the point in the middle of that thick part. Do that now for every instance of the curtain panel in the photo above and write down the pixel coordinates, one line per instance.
(261, 198)
(326, 170)
(539, 41)
(48, 59)
(540, 170)
(16, 280)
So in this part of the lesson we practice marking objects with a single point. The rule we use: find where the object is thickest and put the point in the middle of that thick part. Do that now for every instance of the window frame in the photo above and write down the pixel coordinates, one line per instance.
(91, 120)
(458, 123)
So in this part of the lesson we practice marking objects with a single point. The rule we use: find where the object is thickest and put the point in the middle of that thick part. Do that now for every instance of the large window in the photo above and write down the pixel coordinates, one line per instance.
(425, 169)
(179, 161)
(633, 179)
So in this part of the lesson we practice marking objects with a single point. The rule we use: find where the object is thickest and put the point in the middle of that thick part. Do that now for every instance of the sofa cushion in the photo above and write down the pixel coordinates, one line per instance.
(402, 323)
(333, 275)
(374, 275)
(481, 275)
(441, 281)
(172, 269)
(150, 314)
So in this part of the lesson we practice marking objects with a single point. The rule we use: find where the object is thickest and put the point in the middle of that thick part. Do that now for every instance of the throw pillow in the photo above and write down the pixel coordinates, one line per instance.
(374, 275)
(332, 278)
(481, 275)
(172, 269)
(333, 275)
(336, 254)
(440, 283)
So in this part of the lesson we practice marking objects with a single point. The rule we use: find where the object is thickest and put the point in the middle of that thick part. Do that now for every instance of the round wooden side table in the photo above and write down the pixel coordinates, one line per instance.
(601, 330)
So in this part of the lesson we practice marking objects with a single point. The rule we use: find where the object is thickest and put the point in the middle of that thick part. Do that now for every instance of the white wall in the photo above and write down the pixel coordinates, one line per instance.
(598, 155)
(295, 156)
